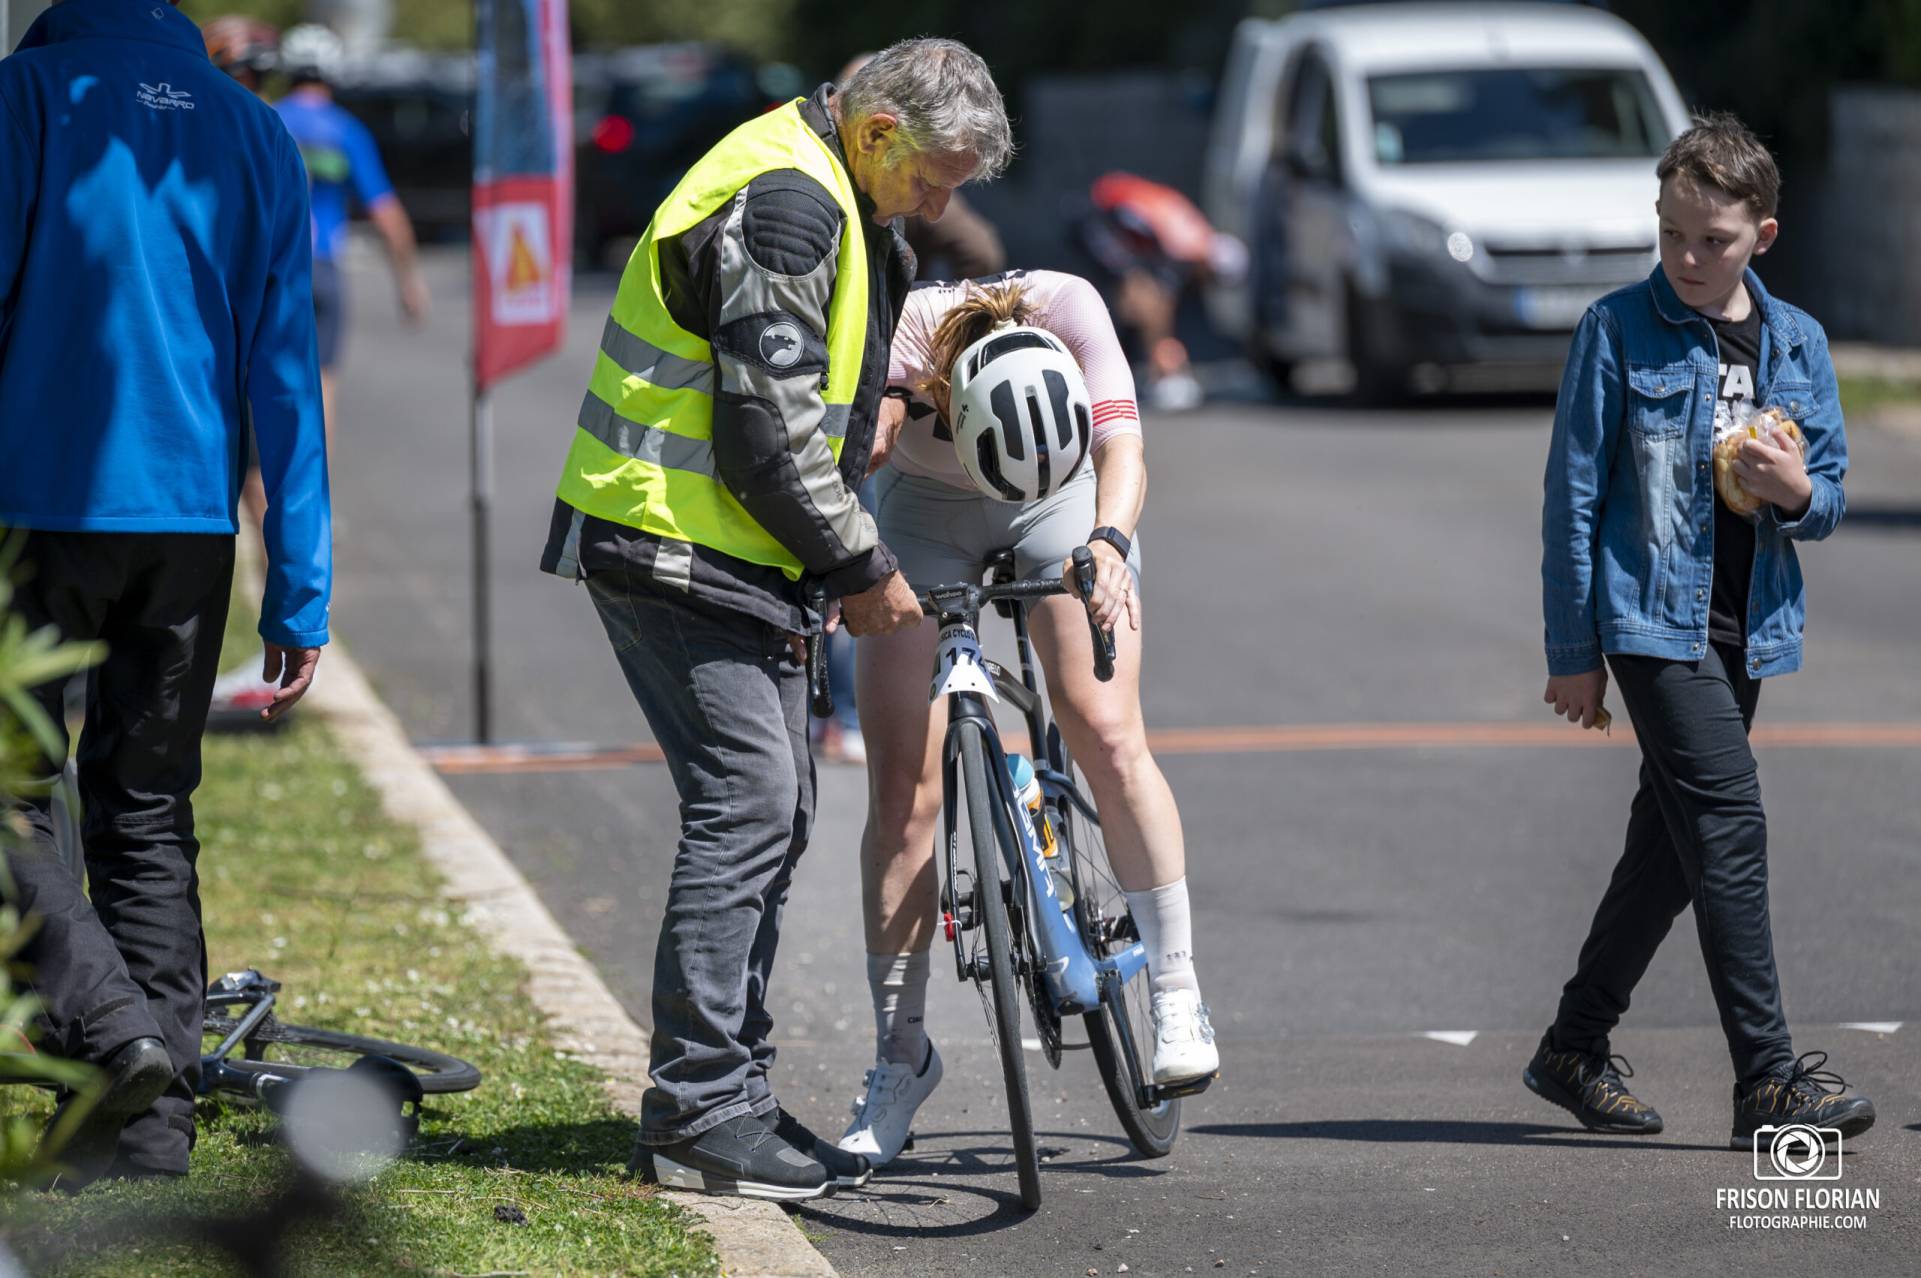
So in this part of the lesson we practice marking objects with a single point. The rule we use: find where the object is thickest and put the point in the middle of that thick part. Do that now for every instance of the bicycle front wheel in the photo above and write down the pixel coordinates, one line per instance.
(990, 826)
(280, 1049)
(1121, 1030)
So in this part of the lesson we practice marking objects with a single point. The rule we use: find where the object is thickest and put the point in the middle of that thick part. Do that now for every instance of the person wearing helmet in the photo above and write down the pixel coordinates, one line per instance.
(1153, 244)
(243, 47)
(343, 164)
(1016, 427)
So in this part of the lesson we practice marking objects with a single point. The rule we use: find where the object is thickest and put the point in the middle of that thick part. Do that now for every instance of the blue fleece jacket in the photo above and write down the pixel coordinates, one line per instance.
(155, 289)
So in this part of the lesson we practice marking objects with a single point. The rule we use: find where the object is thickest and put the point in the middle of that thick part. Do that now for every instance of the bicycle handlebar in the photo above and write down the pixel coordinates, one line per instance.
(971, 598)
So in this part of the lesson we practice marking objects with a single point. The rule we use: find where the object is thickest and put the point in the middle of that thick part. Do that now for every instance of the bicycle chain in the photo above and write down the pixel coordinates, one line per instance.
(1047, 1022)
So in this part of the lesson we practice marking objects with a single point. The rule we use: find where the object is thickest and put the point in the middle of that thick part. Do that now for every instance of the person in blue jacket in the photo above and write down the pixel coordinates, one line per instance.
(155, 295)
(343, 167)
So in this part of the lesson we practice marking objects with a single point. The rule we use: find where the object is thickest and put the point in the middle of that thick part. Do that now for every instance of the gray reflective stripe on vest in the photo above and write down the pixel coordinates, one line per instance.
(645, 443)
(643, 359)
(833, 422)
(569, 565)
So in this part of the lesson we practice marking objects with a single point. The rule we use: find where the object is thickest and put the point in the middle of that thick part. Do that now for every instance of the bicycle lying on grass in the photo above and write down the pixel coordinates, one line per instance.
(1032, 907)
(274, 1057)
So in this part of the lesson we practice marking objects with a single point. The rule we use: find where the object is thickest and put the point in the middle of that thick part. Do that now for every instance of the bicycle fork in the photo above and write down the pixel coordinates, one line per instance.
(1070, 975)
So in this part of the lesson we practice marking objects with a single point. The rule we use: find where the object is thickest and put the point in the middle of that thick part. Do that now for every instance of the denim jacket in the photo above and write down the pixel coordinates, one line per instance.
(1627, 527)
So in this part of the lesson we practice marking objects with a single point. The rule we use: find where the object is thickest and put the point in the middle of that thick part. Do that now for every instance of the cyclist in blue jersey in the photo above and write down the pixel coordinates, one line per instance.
(343, 166)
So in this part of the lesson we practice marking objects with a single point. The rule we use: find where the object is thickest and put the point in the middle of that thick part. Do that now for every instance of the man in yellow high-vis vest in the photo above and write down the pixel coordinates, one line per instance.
(732, 412)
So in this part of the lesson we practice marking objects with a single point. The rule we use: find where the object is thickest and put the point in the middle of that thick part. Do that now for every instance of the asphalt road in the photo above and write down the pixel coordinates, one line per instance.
(1307, 565)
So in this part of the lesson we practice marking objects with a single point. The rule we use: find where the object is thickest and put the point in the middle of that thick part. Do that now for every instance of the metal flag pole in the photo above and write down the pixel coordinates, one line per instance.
(482, 443)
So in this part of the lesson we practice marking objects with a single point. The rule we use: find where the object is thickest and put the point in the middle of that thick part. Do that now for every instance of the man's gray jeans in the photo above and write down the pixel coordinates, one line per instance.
(728, 705)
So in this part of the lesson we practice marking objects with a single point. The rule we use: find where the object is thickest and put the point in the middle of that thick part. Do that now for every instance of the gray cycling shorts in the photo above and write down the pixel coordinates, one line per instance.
(942, 534)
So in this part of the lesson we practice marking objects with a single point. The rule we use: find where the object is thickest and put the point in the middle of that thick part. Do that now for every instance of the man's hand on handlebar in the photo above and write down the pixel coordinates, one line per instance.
(881, 609)
(1113, 587)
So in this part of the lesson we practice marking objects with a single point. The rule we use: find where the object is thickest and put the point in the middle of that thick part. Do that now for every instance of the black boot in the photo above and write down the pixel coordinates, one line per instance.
(136, 1075)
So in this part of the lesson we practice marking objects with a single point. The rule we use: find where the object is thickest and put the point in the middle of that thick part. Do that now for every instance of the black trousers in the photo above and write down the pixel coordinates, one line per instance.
(1696, 836)
(130, 962)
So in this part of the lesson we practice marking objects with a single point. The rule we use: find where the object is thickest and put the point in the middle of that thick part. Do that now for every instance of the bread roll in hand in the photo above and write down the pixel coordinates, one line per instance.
(1728, 484)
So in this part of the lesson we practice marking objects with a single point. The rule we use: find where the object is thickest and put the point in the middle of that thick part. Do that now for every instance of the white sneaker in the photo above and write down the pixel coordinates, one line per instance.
(1183, 1040)
(242, 691)
(884, 1117)
(1176, 393)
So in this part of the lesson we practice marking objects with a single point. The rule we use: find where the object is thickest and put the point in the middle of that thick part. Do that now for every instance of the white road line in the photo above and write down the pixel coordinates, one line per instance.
(1031, 1044)
(1873, 1027)
(1459, 1038)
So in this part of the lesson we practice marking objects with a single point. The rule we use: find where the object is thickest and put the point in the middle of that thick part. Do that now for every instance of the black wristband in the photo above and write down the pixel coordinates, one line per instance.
(1113, 537)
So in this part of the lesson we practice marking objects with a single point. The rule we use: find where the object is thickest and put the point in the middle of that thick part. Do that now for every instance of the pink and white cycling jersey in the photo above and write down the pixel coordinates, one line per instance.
(1065, 305)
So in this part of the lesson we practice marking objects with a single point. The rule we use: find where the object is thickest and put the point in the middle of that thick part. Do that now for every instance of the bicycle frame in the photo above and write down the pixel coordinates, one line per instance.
(258, 993)
(1072, 977)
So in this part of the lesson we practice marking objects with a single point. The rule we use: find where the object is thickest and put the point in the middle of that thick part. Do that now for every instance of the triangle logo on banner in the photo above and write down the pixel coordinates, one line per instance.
(523, 270)
(520, 261)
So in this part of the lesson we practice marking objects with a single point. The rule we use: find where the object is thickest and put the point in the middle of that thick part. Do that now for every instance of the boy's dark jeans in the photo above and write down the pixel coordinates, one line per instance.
(130, 963)
(727, 703)
(1696, 835)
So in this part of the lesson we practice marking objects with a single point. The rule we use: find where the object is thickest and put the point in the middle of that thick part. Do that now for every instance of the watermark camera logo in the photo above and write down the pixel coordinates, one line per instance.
(1797, 1151)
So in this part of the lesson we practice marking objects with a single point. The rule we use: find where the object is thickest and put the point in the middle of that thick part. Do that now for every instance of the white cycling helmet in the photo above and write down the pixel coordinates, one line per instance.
(311, 50)
(1020, 413)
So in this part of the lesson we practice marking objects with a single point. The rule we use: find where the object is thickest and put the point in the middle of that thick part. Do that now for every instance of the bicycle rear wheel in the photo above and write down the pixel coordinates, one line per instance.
(1121, 1032)
(277, 1048)
(989, 824)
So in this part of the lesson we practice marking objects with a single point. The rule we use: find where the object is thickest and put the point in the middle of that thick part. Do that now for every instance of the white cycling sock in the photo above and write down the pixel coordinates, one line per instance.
(1167, 930)
(898, 983)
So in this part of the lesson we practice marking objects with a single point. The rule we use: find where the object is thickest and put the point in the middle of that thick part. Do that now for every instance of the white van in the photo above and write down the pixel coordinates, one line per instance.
(1425, 187)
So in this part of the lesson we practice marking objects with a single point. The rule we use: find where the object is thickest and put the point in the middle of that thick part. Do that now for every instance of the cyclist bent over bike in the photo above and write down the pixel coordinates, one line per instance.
(942, 527)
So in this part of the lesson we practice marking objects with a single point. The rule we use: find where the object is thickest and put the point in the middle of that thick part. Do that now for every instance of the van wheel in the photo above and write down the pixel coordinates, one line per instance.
(1381, 378)
(1279, 372)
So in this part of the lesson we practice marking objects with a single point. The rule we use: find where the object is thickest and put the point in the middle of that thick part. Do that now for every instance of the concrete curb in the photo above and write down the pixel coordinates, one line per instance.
(755, 1239)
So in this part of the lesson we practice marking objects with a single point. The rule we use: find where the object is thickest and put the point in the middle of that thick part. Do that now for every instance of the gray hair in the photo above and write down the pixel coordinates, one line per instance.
(944, 98)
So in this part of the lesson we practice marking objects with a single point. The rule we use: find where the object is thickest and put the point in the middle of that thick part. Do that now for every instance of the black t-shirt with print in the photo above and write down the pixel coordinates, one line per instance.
(1733, 535)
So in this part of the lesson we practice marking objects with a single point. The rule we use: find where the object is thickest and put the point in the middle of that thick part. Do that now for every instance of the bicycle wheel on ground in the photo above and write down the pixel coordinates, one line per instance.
(991, 829)
(1121, 1032)
(276, 1047)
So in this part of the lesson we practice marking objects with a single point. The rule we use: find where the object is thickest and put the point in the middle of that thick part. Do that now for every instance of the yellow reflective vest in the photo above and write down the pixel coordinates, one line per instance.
(642, 452)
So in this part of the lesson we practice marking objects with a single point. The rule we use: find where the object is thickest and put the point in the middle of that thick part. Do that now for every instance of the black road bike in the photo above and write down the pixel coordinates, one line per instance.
(1029, 900)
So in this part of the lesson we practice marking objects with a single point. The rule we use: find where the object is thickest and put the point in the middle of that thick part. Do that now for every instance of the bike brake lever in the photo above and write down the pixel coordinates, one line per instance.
(1103, 639)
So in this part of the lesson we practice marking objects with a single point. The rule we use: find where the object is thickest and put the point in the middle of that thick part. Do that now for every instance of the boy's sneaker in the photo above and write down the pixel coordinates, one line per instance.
(1799, 1093)
(850, 1171)
(742, 1157)
(1183, 1039)
(1591, 1089)
(884, 1116)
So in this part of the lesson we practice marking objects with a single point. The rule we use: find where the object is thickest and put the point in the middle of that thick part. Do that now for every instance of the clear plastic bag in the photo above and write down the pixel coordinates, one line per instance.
(1744, 421)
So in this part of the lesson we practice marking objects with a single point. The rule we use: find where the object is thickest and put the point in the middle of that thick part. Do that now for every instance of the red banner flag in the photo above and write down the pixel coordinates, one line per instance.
(523, 193)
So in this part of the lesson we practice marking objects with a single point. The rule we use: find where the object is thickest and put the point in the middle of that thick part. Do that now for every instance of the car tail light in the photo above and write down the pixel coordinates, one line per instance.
(614, 134)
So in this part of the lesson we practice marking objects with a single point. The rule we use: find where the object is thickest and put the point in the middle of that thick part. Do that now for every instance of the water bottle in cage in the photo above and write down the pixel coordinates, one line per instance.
(1027, 787)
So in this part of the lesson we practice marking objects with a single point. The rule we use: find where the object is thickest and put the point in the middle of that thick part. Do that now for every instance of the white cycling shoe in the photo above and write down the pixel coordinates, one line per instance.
(1183, 1039)
(884, 1117)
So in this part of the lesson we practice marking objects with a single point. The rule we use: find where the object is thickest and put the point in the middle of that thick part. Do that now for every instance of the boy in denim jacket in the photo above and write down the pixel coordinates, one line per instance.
(1692, 606)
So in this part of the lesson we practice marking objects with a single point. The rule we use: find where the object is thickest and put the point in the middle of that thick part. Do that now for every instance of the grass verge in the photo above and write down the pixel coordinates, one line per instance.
(304, 877)
(1868, 395)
